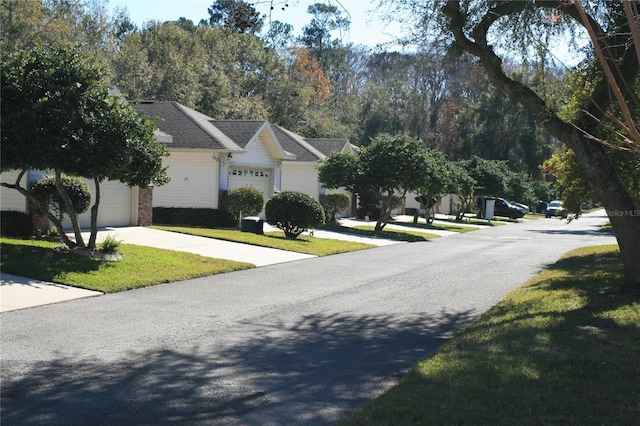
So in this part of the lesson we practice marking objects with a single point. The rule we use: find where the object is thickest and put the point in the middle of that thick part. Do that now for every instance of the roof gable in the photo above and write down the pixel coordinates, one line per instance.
(243, 132)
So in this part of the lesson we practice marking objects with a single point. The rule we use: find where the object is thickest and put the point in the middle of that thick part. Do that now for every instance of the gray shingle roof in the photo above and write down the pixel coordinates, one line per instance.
(239, 131)
(189, 128)
(328, 146)
(296, 144)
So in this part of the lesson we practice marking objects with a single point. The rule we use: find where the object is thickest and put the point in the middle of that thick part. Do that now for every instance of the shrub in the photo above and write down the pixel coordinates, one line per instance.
(45, 190)
(245, 200)
(197, 217)
(15, 224)
(334, 203)
(294, 212)
(110, 245)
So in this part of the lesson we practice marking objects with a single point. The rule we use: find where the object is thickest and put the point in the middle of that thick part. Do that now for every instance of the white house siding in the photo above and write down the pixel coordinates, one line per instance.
(300, 176)
(254, 167)
(446, 205)
(10, 199)
(194, 180)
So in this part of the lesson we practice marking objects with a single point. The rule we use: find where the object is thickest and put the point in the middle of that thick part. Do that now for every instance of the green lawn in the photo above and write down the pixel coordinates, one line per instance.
(302, 244)
(562, 349)
(140, 267)
(422, 224)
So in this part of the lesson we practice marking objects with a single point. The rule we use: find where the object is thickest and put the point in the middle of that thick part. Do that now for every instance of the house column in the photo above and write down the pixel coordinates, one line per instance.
(145, 206)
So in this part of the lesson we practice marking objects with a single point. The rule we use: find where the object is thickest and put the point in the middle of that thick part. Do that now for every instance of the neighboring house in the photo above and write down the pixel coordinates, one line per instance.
(119, 204)
(210, 157)
(207, 158)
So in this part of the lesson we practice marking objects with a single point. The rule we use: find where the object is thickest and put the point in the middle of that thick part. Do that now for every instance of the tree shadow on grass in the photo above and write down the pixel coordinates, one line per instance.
(385, 233)
(311, 371)
(45, 263)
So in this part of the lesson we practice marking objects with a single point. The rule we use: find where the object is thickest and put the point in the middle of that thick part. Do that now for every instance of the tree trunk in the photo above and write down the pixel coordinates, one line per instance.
(623, 210)
(94, 216)
(68, 204)
(43, 208)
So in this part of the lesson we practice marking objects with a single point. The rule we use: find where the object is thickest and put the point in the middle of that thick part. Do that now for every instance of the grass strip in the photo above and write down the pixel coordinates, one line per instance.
(140, 267)
(395, 234)
(437, 226)
(303, 244)
(562, 349)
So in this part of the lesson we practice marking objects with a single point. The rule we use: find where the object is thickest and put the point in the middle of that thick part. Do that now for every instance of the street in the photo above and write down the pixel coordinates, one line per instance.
(303, 342)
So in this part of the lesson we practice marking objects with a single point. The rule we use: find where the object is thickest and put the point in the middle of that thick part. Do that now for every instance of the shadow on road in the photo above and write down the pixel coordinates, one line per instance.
(315, 365)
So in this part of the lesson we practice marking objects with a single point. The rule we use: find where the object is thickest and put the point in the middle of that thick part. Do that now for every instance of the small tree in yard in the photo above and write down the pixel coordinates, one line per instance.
(334, 203)
(245, 200)
(46, 191)
(57, 116)
(387, 169)
(294, 212)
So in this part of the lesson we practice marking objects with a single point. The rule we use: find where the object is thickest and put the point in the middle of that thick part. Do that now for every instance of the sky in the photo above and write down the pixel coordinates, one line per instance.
(366, 29)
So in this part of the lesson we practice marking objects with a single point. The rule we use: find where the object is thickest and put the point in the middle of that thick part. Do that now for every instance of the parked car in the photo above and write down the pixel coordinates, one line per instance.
(504, 208)
(541, 207)
(556, 208)
(525, 208)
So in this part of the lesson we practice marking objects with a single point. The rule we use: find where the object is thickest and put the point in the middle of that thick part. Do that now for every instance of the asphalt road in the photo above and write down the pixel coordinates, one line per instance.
(299, 343)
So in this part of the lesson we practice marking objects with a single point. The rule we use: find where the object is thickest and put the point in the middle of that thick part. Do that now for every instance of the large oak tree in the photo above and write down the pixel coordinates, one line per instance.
(490, 30)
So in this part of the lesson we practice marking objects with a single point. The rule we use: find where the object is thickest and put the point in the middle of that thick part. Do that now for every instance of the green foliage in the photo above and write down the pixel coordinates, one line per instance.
(15, 224)
(245, 200)
(490, 176)
(519, 188)
(56, 115)
(570, 181)
(237, 15)
(334, 203)
(544, 191)
(199, 217)
(294, 212)
(340, 170)
(78, 191)
(110, 245)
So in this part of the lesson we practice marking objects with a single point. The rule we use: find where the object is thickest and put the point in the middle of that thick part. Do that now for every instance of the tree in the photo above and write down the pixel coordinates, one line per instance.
(46, 191)
(462, 184)
(294, 212)
(385, 170)
(473, 27)
(56, 116)
(244, 201)
(237, 15)
(334, 203)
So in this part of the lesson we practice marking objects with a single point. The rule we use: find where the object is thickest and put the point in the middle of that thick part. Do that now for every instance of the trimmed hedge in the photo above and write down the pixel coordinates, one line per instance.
(201, 218)
(15, 224)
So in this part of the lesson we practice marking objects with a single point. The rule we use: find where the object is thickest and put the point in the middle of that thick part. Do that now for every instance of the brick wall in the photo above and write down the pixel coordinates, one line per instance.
(145, 206)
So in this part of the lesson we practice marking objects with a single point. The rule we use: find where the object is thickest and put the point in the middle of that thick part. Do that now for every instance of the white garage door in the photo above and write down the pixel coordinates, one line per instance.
(259, 179)
(115, 206)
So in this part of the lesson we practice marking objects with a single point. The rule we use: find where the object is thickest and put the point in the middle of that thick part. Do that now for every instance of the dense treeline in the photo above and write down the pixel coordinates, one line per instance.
(231, 66)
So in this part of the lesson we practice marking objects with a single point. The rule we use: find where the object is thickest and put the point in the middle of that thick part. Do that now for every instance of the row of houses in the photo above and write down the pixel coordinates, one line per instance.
(207, 158)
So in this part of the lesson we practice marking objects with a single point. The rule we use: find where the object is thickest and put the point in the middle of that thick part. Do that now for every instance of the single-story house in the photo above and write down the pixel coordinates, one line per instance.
(207, 158)
(210, 157)
(120, 205)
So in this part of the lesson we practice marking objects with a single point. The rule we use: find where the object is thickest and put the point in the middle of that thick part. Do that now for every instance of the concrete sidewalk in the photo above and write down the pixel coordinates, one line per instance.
(19, 292)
